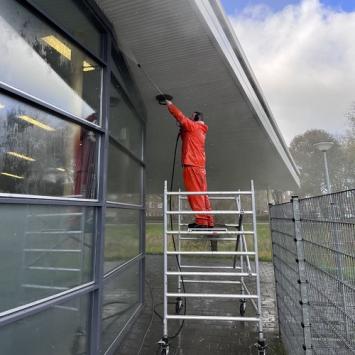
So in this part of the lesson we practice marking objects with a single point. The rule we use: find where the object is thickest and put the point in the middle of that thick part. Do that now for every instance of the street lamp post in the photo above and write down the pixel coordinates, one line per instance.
(324, 147)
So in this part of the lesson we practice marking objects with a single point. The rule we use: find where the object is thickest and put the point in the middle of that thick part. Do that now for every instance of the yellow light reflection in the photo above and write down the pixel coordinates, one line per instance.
(21, 156)
(36, 122)
(13, 176)
(87, 66)
(2, 106)
(61, 169)
(58, 45)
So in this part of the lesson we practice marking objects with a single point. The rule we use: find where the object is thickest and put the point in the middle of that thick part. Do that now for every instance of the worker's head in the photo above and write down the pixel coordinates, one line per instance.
(197, 116)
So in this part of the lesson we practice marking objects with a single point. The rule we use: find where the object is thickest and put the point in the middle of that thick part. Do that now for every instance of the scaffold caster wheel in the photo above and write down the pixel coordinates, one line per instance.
(243, 307)
(164, 346)
(178, 305)
(261, 347)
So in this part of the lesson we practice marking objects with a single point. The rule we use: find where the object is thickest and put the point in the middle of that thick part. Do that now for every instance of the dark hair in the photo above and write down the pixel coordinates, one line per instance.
(198, 116)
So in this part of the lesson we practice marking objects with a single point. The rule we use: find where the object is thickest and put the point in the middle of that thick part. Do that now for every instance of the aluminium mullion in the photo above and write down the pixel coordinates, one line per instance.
(47, 107)
(97, 296)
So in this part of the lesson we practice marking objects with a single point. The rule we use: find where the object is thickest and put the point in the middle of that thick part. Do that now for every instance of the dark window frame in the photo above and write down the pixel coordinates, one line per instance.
(93, 289)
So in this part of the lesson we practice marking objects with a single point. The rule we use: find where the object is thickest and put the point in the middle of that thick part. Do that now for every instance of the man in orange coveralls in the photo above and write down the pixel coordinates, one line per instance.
(193, 158)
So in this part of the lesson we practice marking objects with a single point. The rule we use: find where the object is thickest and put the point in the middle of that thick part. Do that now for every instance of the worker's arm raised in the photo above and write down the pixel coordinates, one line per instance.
(179, 116)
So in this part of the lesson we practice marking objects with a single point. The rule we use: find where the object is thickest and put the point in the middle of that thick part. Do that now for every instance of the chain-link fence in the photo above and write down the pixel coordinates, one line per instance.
(314, 260)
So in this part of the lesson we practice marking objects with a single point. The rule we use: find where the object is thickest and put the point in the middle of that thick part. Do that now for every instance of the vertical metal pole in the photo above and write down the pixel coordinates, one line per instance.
(179, 240)
(273, 263)
(329, 188)
(260, 335)
(99, 245)
(165, 247)
(302, 277)
(338, 261)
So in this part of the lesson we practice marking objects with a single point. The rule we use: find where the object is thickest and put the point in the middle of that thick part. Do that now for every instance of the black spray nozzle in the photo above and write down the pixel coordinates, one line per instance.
(162, 98)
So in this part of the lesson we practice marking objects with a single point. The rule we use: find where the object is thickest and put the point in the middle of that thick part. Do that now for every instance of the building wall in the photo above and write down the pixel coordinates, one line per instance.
(71, 182)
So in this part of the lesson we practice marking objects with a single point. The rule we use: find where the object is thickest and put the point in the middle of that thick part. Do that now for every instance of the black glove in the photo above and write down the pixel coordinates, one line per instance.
(163, 98)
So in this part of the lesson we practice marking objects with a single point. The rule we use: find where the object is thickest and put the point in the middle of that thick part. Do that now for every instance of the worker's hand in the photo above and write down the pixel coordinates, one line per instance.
(168, 102)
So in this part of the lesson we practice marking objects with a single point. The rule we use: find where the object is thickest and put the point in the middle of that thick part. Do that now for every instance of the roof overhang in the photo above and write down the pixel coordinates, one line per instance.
(190, 51)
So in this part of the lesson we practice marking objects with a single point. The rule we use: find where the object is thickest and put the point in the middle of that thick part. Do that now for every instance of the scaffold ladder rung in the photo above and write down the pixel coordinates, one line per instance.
(221, 318)
(249, 253)
(209, 267)
(213, 281)
(209, 232)
(211, 295)
(187, 273)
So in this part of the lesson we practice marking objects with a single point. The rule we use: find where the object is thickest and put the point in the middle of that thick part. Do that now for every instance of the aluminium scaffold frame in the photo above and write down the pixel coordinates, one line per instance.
(229, 232)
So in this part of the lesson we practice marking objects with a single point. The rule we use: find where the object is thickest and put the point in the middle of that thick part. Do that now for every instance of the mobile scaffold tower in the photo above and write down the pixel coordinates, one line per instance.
(243, 271)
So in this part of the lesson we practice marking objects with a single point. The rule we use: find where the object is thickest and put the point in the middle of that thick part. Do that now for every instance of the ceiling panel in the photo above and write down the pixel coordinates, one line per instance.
(175, 46)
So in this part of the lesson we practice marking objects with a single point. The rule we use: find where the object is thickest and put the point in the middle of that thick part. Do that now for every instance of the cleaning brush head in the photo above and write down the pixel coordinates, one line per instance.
(162, 98)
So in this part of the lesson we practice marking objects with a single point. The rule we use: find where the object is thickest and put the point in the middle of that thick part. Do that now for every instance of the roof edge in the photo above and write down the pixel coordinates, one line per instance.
(224, 36)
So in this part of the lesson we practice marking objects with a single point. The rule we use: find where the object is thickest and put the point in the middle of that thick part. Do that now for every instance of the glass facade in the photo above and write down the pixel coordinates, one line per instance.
(48, 66)
(42, 154)
(71, 182)
(121, 298)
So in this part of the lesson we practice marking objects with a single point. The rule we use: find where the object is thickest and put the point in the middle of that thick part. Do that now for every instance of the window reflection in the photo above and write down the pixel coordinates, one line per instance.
(37, 60)
(44, 250)
(124, 178)
(121, 236)
(41, 154)
(124, 126)
(121, 299)
(78, 24)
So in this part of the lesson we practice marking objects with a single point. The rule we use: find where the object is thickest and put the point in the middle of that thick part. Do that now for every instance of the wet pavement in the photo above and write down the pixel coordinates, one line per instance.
(203, 337)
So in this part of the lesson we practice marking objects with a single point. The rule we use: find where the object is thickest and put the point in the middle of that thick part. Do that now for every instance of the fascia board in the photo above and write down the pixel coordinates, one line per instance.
(219, 37)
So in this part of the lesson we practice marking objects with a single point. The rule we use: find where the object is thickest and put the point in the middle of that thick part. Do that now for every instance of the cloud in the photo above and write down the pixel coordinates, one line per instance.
(304, 59)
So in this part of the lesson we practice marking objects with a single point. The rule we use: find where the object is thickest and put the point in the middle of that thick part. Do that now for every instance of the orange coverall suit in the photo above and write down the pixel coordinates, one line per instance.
(193, 158)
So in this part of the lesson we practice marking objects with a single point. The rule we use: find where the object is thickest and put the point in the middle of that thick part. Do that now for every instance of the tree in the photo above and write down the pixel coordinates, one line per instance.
(311, 164)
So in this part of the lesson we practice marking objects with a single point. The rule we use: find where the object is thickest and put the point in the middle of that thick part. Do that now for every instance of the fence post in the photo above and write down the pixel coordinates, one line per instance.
(306, 325)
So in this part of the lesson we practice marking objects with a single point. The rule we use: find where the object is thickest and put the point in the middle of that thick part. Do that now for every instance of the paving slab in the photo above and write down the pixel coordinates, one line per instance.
(203, 337)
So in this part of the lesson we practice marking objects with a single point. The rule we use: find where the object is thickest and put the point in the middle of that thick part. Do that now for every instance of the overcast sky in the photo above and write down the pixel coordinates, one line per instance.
(303, 55)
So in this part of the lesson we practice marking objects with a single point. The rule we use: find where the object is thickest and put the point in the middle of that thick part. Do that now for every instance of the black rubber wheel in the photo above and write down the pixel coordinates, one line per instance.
(242, 308)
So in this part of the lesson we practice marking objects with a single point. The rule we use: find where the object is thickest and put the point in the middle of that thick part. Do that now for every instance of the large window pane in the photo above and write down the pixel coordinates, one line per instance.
(71, 14)
(41, 154)
(60, 330)
(124, 125)
(122, 232)
(44, 250)
(121, 298)
(124, 177)
(37, 60)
